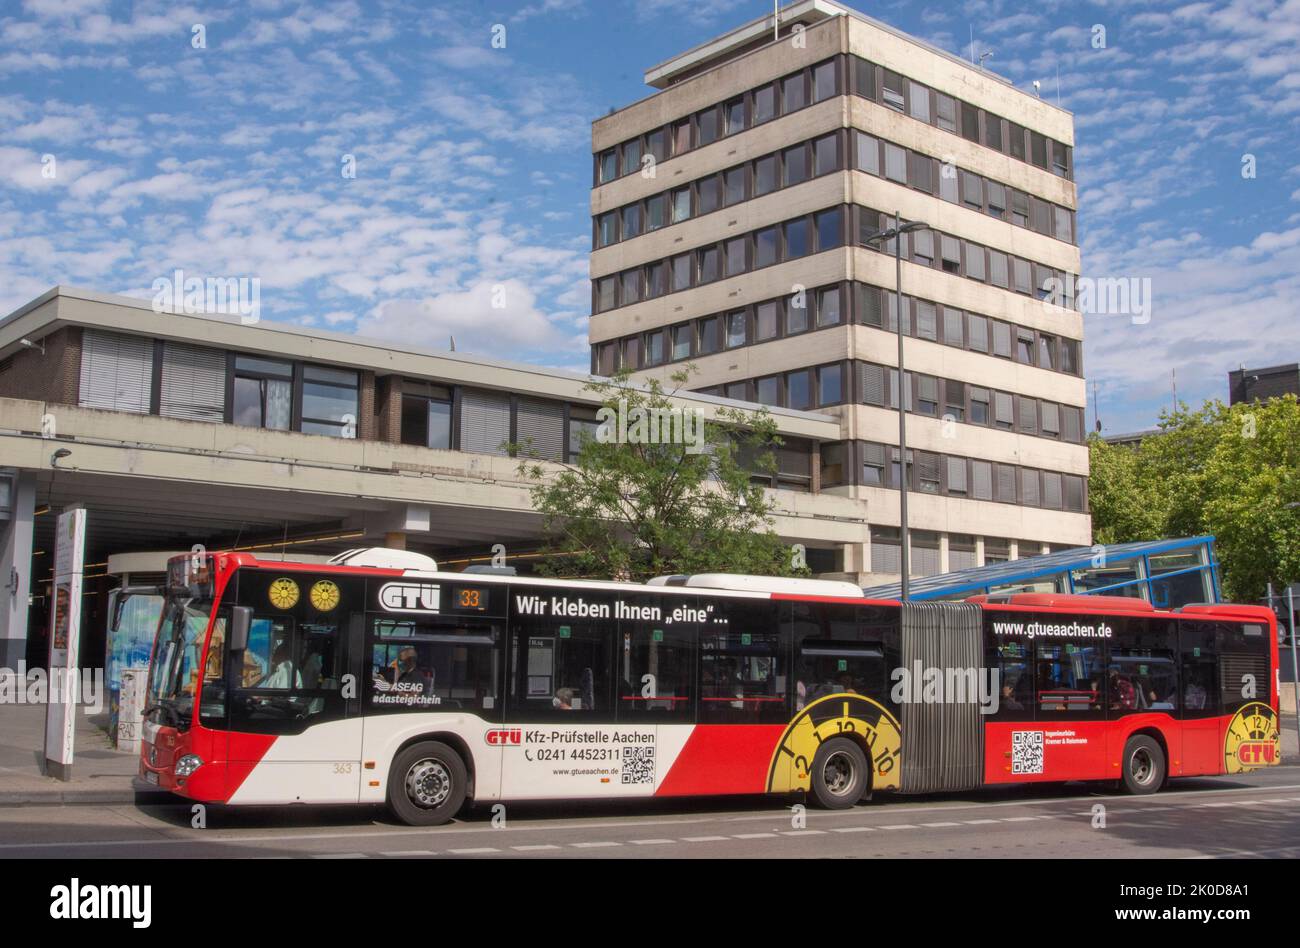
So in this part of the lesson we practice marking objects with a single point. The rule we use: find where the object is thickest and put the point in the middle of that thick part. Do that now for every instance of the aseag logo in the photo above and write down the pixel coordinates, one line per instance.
(410, 597)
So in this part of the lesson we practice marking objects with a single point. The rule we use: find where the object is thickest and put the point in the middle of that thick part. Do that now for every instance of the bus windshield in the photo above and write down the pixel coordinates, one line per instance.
(174, 673)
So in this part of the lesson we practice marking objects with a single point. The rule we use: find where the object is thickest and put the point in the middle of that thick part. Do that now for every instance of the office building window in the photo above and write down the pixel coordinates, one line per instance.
(893, 91)
(825, 155)
(734, 185)
(829, 390)
(426, 414)
(795, 162)
(734, 113)
(794, 93)
(796, 238)
(765, 175)
(708, 194)
(765, 321)
(830, 228)
(918, 102)
(329, 401)
(765, 247)
(263, 393)
(866, 153)
(736, 325)
(735, 251)
(828, 307)
(682, 341)
(945, 112)
(823, 76)
(764, 104)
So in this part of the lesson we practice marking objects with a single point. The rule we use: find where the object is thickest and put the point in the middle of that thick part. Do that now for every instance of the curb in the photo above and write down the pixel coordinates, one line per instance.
(19, 798)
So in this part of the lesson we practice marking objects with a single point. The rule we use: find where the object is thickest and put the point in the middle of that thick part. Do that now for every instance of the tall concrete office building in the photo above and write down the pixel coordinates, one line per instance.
(733, 212)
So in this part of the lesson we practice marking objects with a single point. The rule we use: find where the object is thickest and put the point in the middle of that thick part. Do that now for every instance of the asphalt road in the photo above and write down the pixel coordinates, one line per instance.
(1252, 815)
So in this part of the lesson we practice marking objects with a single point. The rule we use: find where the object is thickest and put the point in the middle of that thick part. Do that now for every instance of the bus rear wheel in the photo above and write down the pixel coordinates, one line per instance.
(427, 784)
(1144, 765)
(839, 774)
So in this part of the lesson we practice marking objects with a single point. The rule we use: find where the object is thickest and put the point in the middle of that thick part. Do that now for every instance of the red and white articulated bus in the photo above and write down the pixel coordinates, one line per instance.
(378, 679)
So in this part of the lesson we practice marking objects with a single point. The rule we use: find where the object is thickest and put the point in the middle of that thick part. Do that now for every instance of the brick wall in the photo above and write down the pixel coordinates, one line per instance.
(52, 377)
(388, 409)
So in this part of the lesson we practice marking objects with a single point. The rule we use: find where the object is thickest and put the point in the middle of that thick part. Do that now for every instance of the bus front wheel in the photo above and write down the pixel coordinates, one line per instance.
(427, 784)
(839, 774)
(1144, 765)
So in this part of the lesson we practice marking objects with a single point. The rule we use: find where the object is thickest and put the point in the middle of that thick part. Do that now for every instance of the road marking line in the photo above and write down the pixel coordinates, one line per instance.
(535, 848)
(900, 826)
(754, 836)
(978, 822)
(854, 829)
(650, 842)
(941, 824)
(474, 851)
(803, 832)
(1020, 819)
(411, 852)
(600, 845)
(704, 839)
(339, 856)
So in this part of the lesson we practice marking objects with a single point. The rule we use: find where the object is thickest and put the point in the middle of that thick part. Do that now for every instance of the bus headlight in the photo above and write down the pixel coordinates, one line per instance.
(188, 764)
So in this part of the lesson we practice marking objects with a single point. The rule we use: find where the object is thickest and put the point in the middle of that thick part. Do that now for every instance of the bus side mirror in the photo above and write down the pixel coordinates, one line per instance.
(240, 621)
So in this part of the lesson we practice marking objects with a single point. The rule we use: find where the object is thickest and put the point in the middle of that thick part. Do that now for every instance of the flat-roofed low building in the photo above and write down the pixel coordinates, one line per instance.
(178, 429)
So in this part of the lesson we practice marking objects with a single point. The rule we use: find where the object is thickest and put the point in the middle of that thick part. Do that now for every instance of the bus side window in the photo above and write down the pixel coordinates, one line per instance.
(1198, 664)
(1243, 650)
(561, 668)
(1014, 662)
(743, 659)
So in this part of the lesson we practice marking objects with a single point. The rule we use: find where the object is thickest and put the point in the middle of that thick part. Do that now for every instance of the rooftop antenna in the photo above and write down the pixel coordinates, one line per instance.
(1038, 88)
(776, 20)
(1058, 83)
(987, 54)
(1173, 378)
(453, 343)
(972, 42)
(1096, 416)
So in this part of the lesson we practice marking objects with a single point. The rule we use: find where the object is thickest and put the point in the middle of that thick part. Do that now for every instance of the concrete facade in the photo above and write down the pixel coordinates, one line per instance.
(823, 39)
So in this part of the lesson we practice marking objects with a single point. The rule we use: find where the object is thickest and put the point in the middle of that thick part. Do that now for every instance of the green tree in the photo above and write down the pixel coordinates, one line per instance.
(1226, 471)
(634, 510)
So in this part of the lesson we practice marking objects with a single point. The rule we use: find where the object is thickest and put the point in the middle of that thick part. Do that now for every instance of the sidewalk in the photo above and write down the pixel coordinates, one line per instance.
(101, 774)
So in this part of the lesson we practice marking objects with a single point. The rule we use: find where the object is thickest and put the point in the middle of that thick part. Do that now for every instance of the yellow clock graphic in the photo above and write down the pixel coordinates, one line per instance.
(283, 593)
(834, 716)
(1252, 739)
(324, 595)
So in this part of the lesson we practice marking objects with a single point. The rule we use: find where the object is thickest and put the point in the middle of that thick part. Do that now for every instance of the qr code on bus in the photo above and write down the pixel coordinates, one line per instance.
(639, 764)
(1026, 752)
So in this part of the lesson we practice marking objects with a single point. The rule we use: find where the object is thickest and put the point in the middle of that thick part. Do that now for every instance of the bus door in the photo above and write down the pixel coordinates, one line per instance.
(295, 726)
(1202, 750)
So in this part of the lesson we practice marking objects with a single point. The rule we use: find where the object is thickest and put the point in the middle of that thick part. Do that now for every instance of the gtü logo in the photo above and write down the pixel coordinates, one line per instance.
(409, 597)
(508, 736)
(103, 901)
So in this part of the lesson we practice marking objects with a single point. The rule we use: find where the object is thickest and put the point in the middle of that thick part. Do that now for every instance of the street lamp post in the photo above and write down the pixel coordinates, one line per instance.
(895, 233)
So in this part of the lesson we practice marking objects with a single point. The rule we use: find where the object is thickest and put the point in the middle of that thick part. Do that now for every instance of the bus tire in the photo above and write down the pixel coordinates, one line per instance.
(839, 774)
(427, 784)
(1143, 765)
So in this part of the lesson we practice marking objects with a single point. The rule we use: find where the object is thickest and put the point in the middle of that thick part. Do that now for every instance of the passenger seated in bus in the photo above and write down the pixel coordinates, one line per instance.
(1123, 696)
(283, 674)
(1158, 704)
(1008, 700)
(1194, 697)
(563, 699)
(405, 670)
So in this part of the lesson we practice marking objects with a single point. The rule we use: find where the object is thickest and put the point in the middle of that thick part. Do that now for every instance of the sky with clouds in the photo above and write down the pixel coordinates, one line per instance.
(473, 167)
